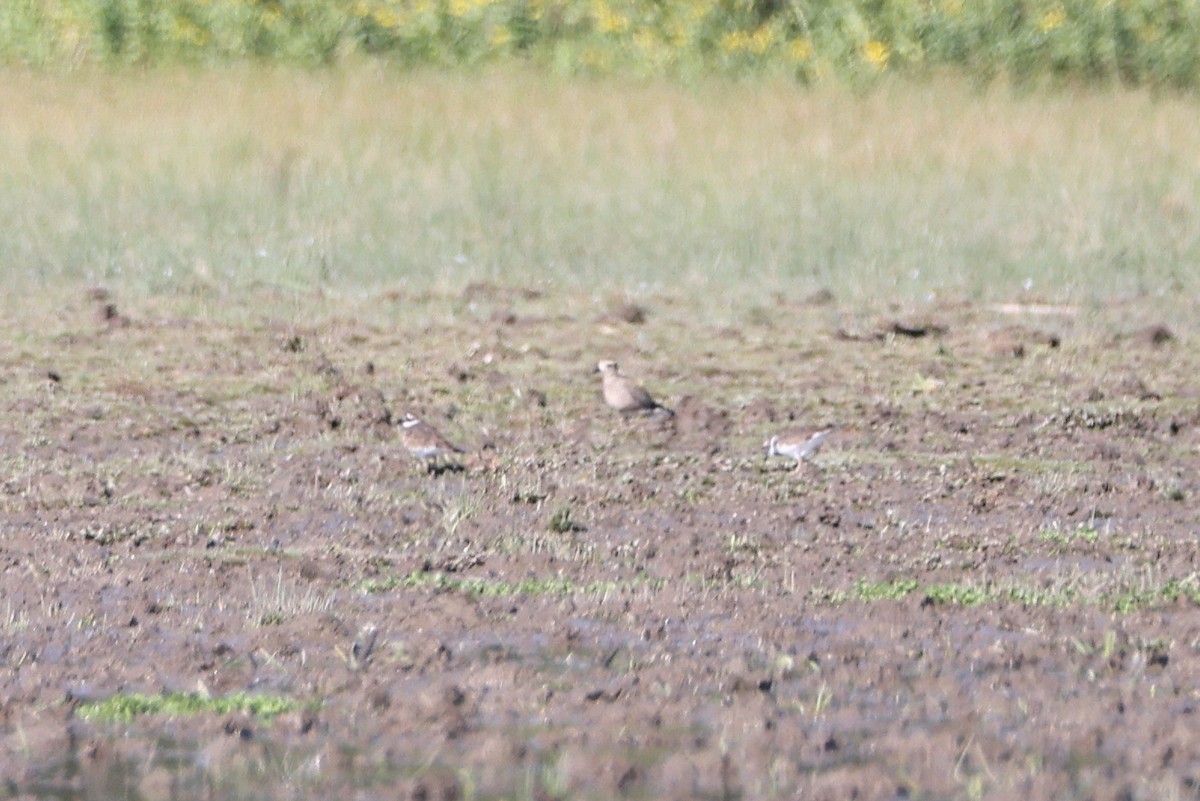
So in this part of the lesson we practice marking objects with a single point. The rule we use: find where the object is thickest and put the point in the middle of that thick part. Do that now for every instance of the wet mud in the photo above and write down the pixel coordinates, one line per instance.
(984, 585)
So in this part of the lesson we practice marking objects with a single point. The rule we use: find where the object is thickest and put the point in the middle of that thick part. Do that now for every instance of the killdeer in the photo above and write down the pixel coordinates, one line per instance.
(800, 445)
(624, 395)
(426, 442)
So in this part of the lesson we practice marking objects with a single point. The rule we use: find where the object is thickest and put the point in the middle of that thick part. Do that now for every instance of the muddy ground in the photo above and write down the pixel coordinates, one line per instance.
(984, 586)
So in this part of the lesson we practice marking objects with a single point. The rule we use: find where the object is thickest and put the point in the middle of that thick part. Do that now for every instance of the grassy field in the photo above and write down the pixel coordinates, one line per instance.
(363, 179)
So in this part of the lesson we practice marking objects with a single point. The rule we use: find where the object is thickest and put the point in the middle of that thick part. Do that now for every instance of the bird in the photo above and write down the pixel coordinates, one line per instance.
(801, 444)
(425, 442)
(624, 395)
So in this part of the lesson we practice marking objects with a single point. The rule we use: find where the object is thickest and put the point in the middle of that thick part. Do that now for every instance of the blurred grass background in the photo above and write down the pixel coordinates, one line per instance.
(875, 148)
(364, 176)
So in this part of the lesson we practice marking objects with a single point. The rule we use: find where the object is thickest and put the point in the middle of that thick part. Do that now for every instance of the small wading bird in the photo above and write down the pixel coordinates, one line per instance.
(800, 445)
(624, 395)
(427, 443)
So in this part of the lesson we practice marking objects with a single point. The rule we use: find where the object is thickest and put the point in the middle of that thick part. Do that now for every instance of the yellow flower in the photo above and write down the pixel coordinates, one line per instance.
(677, 33)
(385, 17)
(800, 50)
(500, 36)
(757, 42)
(607, 19)
(189, 32)
(734, 41)
(461, 8)
(877, 53)
(761, 40)
(1052, 18)
(651, 48)
(952, 7)
(596, 59)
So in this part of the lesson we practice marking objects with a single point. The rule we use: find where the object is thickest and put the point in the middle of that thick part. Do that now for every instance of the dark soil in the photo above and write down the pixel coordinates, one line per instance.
(984, 586)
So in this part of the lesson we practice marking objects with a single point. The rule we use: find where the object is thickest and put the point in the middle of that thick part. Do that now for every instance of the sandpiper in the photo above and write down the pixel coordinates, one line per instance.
(801, 444)
(624, 395)
(426, 442)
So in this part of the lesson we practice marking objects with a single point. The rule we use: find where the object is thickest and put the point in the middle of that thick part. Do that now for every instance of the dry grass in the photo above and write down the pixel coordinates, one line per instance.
(360, 178)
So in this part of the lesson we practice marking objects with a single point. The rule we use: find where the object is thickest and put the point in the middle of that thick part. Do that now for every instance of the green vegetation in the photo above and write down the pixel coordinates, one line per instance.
(958, 594)
(1156, 41)
(1171, 591)
(1121, 594)
(561, 521)
(1058, 536)
(884, 590)
(480, 587)
(122, 708)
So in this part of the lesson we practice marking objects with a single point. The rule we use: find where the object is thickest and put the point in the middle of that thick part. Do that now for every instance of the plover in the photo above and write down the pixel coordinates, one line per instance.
(426, 442)
(801, 444)
(624, 395)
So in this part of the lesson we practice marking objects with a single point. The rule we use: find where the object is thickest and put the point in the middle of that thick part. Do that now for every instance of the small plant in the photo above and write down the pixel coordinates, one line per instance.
(823, 700)
(1110, 645)
(456, 513)
(957, 594)
(483, 587)
(885, 590)
(272, 606)
(14, 619)
(561, 521)
(1085, 532)
(1174, 492)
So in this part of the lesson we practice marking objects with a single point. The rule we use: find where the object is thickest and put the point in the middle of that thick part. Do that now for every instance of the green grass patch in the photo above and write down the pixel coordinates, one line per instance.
(1116, 594)
(1171, 592)
(958, 594)
(882, 591)
(1055, 535)
(482, 587)
(126, 707)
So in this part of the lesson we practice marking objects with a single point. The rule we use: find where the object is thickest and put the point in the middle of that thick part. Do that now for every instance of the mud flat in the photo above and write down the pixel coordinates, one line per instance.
(985, 585)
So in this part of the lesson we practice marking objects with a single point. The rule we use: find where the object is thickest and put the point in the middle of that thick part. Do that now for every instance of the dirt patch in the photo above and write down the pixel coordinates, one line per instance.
(983, 585)
(695, 418)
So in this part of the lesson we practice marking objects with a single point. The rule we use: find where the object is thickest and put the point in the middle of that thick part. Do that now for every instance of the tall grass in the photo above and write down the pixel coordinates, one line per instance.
(361, 177)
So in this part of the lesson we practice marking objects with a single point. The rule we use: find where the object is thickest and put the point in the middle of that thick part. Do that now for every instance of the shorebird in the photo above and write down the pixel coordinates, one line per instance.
(426, 442)
(624, 395)
(800, 445)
